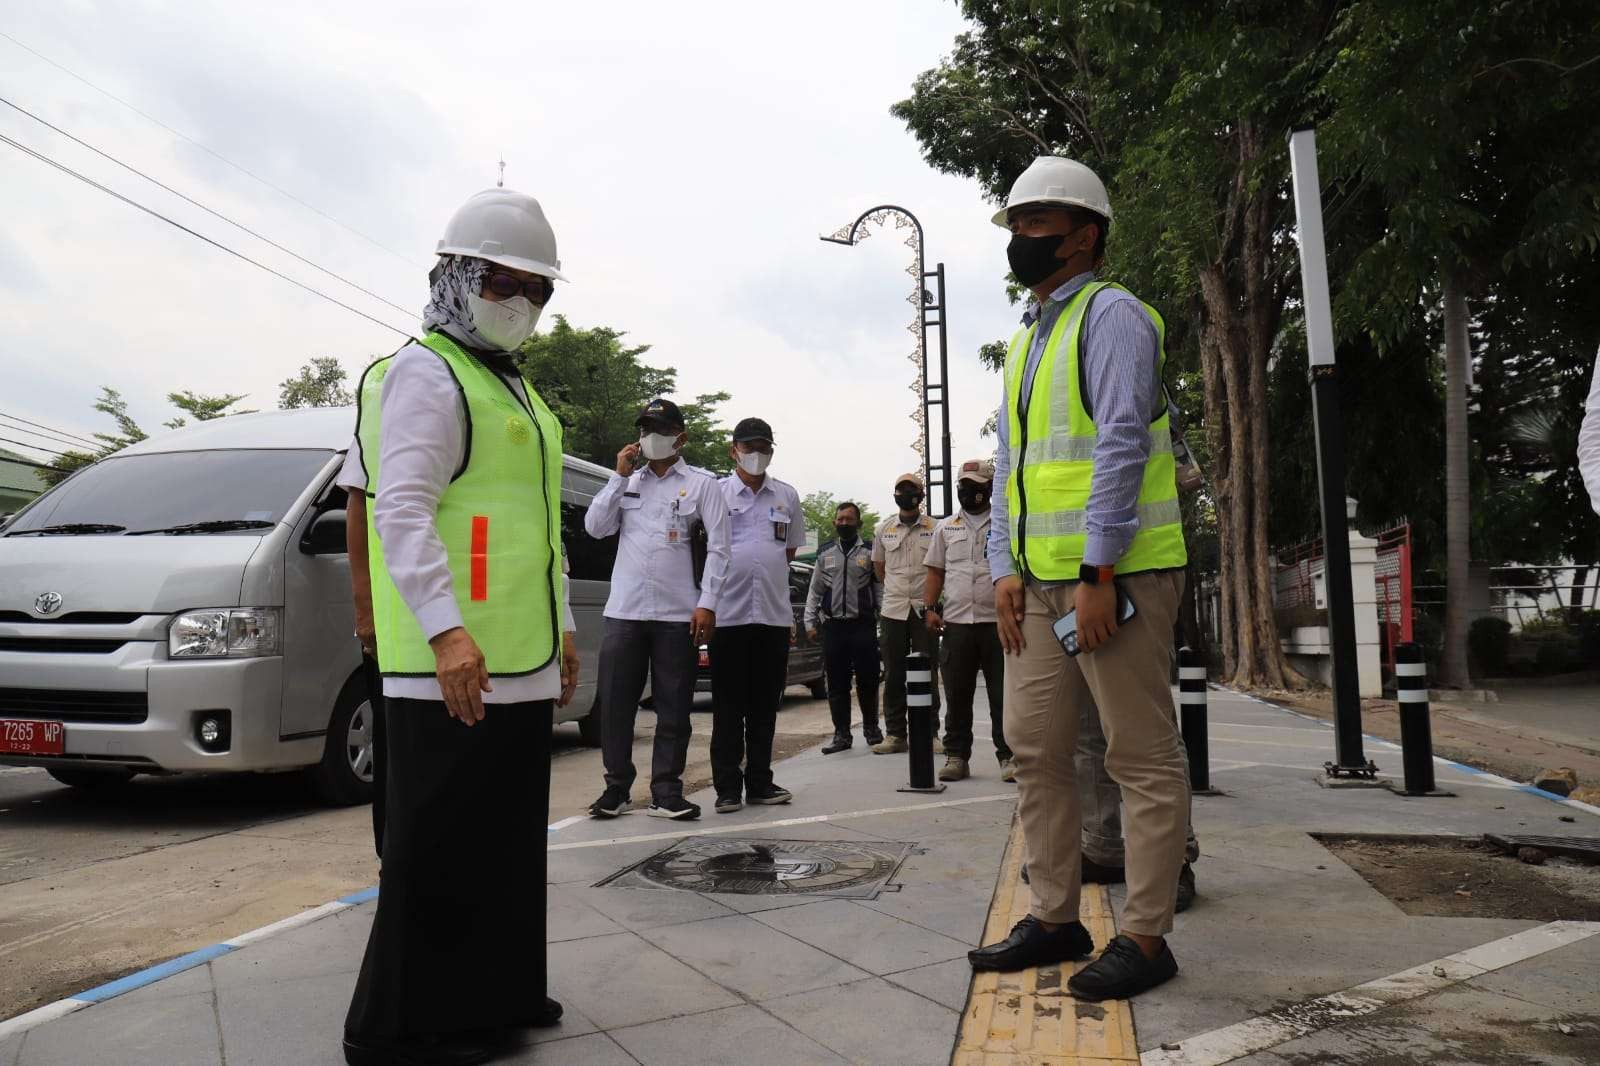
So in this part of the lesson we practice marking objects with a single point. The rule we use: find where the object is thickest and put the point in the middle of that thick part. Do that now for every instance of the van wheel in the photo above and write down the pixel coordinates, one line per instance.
(91, 780)
(589, 725)
(819, 688)
(344, 776)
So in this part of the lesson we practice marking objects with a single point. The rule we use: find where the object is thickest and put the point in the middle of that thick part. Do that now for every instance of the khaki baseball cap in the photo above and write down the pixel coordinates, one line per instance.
(976, 470)
(915, 479)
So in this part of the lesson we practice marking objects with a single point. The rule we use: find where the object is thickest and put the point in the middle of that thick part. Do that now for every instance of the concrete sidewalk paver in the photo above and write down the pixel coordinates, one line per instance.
(744, 1034)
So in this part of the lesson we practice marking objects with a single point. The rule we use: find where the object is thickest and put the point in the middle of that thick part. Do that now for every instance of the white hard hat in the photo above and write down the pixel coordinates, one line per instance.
(1058, 181)
(507, 228)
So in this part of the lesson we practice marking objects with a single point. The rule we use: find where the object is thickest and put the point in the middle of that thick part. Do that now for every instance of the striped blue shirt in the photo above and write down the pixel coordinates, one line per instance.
(1120, 353)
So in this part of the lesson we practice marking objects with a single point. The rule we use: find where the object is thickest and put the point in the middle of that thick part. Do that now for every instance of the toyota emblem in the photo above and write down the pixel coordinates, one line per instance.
(47, 603)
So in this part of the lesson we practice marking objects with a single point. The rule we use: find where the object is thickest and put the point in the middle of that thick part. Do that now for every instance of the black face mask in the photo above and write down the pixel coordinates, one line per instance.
(973, 500)
(908, 501)
(847, 534)
(1033, 259)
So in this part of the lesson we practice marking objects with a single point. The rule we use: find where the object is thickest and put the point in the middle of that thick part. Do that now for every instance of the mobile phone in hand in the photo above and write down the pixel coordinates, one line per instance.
(1066, 627)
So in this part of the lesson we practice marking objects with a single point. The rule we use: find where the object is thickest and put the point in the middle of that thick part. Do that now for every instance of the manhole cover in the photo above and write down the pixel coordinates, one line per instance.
(851, 870)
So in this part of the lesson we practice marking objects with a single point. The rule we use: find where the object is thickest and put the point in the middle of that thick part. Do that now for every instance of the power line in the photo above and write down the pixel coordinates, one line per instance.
(40, 425)
(35, 447)
(214, 154)
(28, 462)
(201, 236)
(210, 211)
(51, 438)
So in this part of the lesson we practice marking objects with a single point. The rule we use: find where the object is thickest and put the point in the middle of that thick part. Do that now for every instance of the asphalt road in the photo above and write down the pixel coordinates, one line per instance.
(93, 886)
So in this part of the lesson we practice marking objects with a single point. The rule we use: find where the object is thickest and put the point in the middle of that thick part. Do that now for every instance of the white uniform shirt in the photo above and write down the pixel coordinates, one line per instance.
(960, 547)
(421, 436)
(1589, 442)
(762, 526)
(903, 551)
(653, 579)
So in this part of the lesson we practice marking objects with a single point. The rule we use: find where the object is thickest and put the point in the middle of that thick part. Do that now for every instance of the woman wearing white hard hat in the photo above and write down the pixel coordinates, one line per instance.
(475, 643)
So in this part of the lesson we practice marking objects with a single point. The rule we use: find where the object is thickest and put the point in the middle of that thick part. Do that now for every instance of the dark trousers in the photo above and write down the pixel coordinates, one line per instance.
(966, 649)
(850, 647)
(899, 639)
(748, 666)
(380, 767)
(458, 940)
(627, 650)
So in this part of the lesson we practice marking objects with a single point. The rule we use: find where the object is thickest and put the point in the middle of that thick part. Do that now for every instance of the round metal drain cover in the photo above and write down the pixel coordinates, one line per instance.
(850, 869)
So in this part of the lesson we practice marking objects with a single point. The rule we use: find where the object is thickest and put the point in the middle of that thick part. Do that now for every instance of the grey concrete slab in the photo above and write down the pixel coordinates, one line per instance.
(569, 916)
(181, 1031)
(872, 940)
(648, 908)
(946, 983)
(296, 1019)
(331, 945)
(11, 1048)
(591, 864)
(187, 983)
(738, 1036)
(956, 910)
(596, 1049)
(621, 980)
(1563, 979)
(873, 1023)
(754, 960)
(753, 904)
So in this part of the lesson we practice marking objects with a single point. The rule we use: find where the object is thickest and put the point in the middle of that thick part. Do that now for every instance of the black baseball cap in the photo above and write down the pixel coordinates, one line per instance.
(662, 412)
(751, 429)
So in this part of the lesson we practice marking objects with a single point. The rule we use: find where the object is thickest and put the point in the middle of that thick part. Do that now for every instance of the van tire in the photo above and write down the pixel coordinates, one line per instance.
(589, 725)
(333, 779)
(91, 780)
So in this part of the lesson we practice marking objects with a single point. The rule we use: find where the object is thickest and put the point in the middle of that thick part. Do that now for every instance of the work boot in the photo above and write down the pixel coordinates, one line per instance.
(955, 769)
(1094, 873)
(889, 745)
(938, 745)
(1008, 769)
(1186, 892)
(840, 742)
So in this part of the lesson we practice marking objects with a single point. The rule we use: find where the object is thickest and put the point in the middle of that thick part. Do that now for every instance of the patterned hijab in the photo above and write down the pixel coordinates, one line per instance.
(448, 311)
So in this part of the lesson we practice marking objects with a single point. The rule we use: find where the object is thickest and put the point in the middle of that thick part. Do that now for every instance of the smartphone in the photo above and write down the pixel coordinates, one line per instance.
(1066, 627)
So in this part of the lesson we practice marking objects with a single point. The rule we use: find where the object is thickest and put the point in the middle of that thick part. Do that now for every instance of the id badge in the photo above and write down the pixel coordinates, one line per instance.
(780, 523)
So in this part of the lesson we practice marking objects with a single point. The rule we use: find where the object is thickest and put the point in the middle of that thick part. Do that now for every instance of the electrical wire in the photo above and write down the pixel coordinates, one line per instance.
(208, 210)
(211, 152)
(35, 447)
(40, 425)
(51, 438)
(201, 236)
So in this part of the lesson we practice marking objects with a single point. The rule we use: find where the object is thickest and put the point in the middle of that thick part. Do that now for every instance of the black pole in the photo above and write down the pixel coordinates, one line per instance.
(1192, 710)
(1416, 732)
(944, 393)
(919, 720)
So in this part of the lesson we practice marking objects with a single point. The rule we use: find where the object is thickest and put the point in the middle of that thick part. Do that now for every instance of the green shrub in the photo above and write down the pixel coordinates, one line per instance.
(1554, 655)
(1489, 643)
(1428, 631)
(1588, 629)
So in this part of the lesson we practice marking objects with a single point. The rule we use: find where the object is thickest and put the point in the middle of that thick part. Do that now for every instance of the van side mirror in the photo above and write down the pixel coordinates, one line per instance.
(326, 535)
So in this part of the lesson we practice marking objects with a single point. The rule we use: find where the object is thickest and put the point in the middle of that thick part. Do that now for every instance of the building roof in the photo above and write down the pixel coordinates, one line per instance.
(20, 474)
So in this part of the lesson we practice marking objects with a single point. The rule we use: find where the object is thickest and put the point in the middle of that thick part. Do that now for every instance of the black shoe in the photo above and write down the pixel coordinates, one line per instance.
(612, 802)
(1031, 945)
(730, 803)
(419, 1051)
(873, 736)
(677, 807)
(1122, 971)
(1095, 874)
(1186, 892)
(840, 742)
(544, 1016)
(769, 796)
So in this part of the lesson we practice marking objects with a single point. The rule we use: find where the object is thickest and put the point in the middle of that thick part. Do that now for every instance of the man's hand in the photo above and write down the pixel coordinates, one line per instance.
(1097, 614)
(625, 459)
(366, 631)
(702, 625)
(463, 675)
(1008, 607)
(569, 668)
(934, 620)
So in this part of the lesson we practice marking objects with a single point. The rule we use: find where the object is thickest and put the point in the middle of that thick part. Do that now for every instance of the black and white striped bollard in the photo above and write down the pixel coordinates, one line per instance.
(1416, 732)
(1192, 714)
(919, 722)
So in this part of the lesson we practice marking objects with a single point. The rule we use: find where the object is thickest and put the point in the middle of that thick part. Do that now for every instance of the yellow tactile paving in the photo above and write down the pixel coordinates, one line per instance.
(1027, 1018)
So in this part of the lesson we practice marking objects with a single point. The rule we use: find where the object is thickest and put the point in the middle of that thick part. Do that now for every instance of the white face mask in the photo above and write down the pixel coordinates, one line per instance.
(658, 445)
(755, 463)
(505, 324)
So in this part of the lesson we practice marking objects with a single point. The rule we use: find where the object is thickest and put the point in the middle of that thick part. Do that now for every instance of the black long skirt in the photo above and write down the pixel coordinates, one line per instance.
(458, 941)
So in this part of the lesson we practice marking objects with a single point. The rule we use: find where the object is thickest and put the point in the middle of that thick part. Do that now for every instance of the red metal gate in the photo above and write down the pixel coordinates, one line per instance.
(1396, 611)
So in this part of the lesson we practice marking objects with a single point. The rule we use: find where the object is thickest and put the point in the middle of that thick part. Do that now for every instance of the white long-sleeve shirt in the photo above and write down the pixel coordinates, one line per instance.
(653, 579)
(422, 432)
(1589, 441)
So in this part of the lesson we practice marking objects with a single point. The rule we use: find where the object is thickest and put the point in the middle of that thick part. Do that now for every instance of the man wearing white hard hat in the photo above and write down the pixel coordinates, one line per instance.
(1087, 553)
(475, 642)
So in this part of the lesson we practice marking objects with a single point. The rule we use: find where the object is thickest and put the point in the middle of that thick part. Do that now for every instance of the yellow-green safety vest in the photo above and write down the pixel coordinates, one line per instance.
(499, 519)
(1052, 460)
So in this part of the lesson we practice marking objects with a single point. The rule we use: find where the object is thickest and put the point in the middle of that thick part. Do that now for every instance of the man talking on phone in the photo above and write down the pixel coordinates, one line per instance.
(1087, 554)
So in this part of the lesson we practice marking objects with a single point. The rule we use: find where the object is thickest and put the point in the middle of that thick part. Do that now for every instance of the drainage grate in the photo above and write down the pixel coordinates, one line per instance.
(844, 869)
(1584, 849)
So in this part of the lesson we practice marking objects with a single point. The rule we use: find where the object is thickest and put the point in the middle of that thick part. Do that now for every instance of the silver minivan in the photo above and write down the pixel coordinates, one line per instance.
(184, 605)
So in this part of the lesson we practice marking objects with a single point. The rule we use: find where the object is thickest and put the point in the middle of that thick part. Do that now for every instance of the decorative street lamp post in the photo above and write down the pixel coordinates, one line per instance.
(930, 312)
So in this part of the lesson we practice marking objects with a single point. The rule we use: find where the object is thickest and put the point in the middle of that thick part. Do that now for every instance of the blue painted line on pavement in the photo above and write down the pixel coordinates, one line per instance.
(363, 896)
(153, 974)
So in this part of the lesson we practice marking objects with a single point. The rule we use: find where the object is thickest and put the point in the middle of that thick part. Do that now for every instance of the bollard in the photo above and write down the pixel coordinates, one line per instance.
(919, 722)
(1416, 734)
(1192, 700)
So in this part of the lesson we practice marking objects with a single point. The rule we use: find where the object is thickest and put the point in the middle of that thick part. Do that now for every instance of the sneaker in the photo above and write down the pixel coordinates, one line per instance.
(612, 802)
(890, 745)
(677, 807)
(955, 769)
(1186, 892)
(1008, 769)
(728, 804)
(769, 796)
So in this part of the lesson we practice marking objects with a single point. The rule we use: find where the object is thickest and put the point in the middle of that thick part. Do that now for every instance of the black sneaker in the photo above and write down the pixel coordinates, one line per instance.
(730, 803)
(1122, 971)
(612, 802)
(768, 796)
(677, 807)
(1030, 944)
(1093, 873)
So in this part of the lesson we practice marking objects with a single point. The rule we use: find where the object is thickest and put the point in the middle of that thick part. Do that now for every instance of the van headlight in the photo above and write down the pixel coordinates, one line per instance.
(225, 633)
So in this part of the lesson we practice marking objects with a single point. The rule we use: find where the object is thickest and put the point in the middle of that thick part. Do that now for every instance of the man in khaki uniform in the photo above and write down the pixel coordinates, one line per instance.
(959, 592)
(899, 555)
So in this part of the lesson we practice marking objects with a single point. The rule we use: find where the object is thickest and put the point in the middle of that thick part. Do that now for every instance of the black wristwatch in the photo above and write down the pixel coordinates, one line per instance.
(1096, 575)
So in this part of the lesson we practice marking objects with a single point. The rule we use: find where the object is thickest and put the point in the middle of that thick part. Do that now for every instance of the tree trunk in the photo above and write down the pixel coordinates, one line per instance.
(1457, 509)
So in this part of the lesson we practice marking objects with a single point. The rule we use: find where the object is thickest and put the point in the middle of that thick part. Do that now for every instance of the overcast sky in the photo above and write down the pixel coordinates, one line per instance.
(687, 162)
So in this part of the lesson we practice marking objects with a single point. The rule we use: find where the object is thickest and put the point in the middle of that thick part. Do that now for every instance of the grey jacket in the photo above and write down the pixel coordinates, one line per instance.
(844, 585)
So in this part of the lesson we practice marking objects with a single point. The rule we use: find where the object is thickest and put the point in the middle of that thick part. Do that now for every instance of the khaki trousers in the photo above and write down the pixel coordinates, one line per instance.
(1047, 693)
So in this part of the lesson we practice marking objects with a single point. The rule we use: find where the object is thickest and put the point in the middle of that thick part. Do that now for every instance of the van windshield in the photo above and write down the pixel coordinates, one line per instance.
(244, 492)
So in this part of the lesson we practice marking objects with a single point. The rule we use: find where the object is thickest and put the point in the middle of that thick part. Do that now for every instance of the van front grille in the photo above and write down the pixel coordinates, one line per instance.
(76, 618)
(60, 645)
(66, 705)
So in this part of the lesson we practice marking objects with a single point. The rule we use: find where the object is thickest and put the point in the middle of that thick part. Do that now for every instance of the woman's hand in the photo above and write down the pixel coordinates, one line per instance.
(569, 668)
(463, 674)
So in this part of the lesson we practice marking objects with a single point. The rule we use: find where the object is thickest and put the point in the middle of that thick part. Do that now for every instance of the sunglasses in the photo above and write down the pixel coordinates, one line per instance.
(537, 289)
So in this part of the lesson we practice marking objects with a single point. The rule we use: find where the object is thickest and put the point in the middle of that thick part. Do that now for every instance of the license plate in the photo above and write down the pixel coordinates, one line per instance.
(22, 737)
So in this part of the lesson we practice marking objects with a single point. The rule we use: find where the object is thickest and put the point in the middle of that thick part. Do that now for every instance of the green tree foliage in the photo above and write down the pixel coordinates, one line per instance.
(819, 508)
(110, 402)
(320, 383)
(202, 408)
